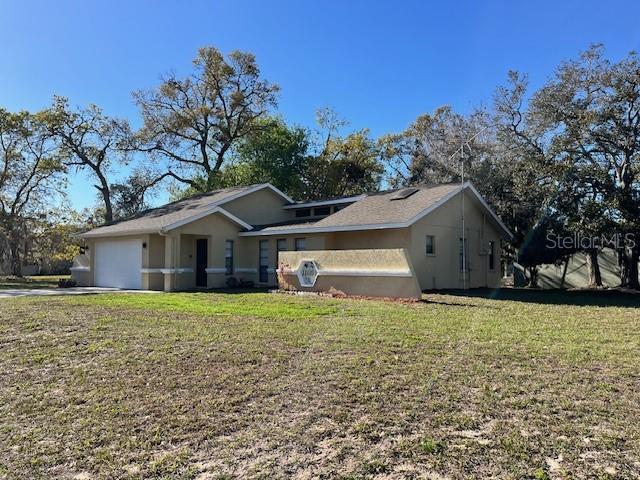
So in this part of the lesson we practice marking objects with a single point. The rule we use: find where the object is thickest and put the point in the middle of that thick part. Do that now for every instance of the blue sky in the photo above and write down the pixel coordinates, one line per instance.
(378, 64)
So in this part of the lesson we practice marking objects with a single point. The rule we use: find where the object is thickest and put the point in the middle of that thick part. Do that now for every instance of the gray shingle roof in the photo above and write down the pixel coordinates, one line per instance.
(284, 226)
(156, 219)
(380, 209)
(375, 210)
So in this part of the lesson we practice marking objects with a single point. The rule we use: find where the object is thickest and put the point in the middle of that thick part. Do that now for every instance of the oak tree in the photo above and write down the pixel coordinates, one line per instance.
(195, 121)
(30, 176)
(90, 141)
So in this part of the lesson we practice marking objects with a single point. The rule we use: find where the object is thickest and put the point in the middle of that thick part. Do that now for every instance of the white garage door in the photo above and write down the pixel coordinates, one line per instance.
(118, 263)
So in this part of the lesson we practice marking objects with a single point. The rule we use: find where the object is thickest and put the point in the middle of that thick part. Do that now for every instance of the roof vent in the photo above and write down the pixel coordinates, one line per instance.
(404, 193)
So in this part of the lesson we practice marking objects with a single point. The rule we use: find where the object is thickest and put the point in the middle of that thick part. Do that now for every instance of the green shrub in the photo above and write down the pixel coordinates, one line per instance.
(66, 283)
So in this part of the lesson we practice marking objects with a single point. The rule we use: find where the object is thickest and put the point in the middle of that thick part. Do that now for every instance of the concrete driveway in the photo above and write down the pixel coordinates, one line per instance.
(43, 292)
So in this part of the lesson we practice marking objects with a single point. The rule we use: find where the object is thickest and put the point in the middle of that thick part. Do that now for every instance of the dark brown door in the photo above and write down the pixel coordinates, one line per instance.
(201, 262)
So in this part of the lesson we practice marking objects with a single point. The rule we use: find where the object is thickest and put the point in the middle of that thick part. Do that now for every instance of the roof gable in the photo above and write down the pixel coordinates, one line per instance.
(387, 208)
(181, 212)
(383, 210)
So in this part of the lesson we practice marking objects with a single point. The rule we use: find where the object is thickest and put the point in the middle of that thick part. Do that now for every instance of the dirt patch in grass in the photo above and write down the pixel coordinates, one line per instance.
(270, 386)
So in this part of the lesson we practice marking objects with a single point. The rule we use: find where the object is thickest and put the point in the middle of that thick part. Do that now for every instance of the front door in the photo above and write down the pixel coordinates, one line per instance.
(201, 262)
(264, 261)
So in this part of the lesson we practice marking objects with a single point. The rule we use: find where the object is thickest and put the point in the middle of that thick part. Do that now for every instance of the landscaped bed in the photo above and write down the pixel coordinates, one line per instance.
(262, 385)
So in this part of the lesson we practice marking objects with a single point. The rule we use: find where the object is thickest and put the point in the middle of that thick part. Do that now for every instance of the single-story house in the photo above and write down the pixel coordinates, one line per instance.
(201, 241)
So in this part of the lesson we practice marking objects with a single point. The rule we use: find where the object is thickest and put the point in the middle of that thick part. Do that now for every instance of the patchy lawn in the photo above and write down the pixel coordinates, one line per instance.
(39, 281)
(202, 385)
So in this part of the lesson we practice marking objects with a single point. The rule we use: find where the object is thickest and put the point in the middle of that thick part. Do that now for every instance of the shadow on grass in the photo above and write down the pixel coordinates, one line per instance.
(432, 299)
(30, 282)
(236, 290)
(602, 298)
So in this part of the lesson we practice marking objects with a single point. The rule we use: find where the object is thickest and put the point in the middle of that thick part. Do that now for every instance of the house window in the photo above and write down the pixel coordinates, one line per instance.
(492, 255)
(320, 211)
(301, 244)
(337, 208)
(228, 257)
(281, 245)
(464, 257)
(431, 245)
(303, 212)
(263, 261)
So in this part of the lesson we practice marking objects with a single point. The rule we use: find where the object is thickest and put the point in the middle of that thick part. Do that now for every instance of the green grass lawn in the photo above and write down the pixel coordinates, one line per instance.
(39, 281)
(255, 385)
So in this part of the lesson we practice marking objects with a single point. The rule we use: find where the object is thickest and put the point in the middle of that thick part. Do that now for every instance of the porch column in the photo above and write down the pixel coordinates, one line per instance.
(145, 261)
(171, 262)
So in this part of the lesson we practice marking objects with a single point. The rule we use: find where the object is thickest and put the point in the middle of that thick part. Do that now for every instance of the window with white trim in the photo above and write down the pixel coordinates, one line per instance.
(228, 257)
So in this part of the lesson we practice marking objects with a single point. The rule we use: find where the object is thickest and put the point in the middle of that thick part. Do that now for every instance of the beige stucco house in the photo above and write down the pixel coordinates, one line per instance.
(201, 241)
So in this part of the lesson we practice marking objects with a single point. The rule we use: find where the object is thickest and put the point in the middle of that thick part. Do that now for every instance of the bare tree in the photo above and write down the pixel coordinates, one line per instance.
(89, 141)
(194, 122)
(131, 196)
(29, 175)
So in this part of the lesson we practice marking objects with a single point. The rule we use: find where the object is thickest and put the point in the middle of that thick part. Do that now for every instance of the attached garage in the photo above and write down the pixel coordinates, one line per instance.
(118, 263)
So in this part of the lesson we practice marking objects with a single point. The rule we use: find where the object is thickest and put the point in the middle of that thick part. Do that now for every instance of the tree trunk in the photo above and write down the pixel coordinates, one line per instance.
(628, 261)
(564, 272)
(593, 268)
(14, 251)
(533, 276)
(105, 191)
(108, 208)
(212, 173)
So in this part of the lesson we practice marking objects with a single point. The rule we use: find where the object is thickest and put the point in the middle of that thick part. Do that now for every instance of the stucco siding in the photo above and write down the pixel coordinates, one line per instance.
(216, 228)
(155, 256)
(177, 249)
(251, 253)
(442, 270)
(365, 239)
(260, 208)
(371, 272)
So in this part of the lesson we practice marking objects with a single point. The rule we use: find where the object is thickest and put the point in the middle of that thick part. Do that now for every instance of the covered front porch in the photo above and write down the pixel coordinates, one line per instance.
(189, 261)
